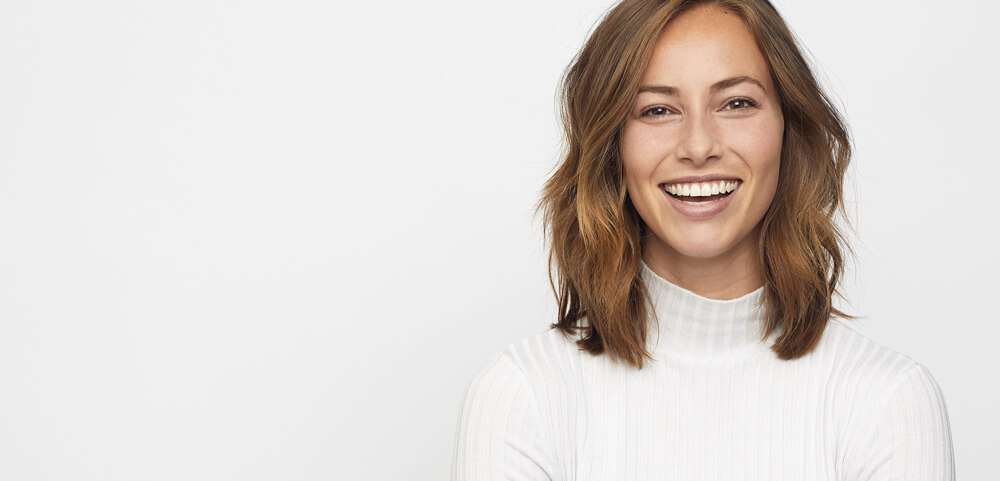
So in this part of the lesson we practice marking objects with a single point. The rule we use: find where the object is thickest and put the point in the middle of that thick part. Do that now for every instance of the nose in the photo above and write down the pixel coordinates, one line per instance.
(699, 142)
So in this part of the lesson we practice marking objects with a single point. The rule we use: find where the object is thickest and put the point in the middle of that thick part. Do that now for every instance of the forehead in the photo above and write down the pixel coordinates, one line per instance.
(702, 46)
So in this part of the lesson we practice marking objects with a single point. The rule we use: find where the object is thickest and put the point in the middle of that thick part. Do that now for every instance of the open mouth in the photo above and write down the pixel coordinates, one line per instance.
(697, 193)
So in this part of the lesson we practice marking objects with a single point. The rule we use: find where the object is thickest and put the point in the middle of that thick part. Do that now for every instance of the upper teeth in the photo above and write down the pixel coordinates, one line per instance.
(701, 189)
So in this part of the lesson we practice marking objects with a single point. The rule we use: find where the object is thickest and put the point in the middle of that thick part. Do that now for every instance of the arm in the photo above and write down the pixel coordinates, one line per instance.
(909, 436)
(500, 435)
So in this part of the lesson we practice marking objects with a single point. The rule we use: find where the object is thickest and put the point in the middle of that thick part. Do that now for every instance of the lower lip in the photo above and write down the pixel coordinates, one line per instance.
(704, 210)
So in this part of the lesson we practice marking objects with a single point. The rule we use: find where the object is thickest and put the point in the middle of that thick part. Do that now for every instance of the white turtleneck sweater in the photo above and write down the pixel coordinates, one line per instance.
(717, 404)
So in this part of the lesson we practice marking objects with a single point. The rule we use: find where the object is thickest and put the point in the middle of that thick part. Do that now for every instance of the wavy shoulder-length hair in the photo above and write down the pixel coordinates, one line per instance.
(595, 232)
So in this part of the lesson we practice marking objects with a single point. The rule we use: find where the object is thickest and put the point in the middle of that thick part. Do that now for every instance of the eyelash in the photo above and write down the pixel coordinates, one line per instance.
(742, 99)
(749, 102)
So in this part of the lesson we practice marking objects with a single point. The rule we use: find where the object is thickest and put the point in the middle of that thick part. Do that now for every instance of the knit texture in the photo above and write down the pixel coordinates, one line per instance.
(717, 404)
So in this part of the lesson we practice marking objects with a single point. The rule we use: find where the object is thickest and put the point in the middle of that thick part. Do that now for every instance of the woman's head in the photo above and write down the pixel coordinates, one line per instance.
(701, 148)
(726, 94)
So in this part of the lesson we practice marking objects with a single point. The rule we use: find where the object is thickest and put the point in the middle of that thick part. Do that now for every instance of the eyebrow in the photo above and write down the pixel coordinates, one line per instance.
(715, 88)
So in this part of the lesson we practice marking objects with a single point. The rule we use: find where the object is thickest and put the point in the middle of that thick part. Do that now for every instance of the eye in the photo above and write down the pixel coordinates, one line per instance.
(657, 111)
(739, 103)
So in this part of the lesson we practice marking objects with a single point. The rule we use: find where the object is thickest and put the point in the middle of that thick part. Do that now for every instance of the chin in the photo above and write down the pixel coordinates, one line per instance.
(706, 245)
(701, 251)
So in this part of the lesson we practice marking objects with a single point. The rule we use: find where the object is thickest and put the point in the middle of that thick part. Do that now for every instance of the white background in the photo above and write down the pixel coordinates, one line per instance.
(275, 240)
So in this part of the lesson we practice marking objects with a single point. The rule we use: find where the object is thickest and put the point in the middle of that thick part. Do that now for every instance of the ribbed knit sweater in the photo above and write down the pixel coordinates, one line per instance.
(716, 404)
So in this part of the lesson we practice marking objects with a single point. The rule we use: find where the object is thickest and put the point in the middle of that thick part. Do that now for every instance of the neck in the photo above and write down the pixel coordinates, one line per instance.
(729, 275)
(692, 326)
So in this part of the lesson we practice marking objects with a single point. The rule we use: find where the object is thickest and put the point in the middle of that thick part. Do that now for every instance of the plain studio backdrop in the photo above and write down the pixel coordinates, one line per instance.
(275, 240)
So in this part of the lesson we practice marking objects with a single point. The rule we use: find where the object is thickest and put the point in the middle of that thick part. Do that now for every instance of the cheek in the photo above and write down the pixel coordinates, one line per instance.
(766, 162)
(631, 157)
(759, 145)
(640, 153)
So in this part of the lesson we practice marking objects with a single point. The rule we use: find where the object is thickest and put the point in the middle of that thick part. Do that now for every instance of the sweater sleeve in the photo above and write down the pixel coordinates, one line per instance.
(500, 435)
(909, 438)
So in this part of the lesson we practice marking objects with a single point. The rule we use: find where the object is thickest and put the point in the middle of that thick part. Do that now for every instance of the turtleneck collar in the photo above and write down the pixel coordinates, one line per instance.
(693, 326)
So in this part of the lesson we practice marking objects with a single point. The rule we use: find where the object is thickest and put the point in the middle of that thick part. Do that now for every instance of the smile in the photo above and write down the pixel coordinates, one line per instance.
(701, 200)
(698, 193)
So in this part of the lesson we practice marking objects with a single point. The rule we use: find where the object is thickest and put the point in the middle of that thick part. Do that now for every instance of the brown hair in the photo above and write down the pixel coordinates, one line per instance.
(595, 231)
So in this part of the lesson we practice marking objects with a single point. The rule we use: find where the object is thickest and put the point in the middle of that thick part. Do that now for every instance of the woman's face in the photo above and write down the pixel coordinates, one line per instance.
(702, 143)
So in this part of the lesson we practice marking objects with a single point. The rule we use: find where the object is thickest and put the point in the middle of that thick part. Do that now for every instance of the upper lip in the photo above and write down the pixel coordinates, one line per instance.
(700, 178)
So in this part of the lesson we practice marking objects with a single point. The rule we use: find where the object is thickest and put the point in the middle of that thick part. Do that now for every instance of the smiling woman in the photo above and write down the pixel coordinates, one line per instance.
(693, 235)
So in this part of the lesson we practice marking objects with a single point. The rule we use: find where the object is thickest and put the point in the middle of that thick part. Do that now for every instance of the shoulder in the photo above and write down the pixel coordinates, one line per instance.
(859, 357)
(878, 380)
(530, 359)
(502, 430)
(548, 361)
(890, 370)
(547, 367)
(529, 390)
(860, 372)
(898, 426)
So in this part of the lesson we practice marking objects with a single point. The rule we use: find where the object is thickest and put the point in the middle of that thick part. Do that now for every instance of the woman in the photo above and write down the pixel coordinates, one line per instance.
(692, 228)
